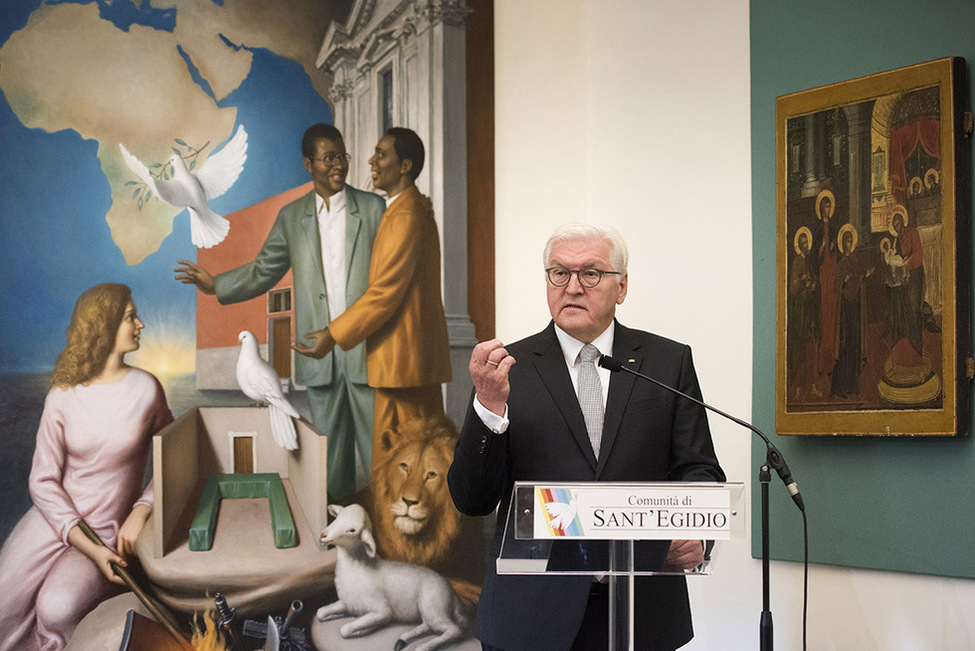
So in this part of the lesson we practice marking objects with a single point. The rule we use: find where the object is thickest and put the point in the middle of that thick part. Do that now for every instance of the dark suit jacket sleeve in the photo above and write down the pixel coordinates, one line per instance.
(257, 277)
(478, 475)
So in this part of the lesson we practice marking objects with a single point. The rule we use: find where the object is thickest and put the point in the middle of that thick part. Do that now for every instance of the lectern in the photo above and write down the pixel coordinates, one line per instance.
(616, 531)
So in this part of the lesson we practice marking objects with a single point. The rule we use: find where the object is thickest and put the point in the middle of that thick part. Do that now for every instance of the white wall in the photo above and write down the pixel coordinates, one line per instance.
(635, 113)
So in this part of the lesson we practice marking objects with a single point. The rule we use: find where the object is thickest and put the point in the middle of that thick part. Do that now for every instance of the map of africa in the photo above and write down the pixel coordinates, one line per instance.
(149, 87)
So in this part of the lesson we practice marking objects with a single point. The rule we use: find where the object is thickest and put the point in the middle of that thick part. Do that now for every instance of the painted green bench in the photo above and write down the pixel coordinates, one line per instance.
(234, 486)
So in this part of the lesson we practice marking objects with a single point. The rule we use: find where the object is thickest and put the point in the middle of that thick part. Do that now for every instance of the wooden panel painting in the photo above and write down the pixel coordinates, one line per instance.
(873, 242)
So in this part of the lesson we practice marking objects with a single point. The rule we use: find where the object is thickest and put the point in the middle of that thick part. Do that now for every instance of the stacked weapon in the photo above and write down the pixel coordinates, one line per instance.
(291, 638)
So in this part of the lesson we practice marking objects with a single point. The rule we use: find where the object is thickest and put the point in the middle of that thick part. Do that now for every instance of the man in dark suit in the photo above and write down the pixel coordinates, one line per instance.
(526, 423)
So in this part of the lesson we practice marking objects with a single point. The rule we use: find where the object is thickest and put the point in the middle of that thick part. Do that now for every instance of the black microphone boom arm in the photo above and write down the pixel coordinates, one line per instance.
(775, 459)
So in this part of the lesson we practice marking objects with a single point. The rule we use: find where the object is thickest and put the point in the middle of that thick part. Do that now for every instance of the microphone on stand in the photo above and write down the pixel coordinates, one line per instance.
(775, 458)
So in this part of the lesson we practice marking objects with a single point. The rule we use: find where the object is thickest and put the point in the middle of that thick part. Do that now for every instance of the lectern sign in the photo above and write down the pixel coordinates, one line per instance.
(637, 512)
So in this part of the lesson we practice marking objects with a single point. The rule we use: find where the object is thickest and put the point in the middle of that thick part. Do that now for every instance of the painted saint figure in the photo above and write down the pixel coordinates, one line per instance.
(825, 203)
(909, 376)
(92, 447)
(905, 300)
(850, 328)
(803, 335)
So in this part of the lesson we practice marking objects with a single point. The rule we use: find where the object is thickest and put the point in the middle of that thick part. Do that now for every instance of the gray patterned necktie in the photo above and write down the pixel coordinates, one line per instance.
(591, 395)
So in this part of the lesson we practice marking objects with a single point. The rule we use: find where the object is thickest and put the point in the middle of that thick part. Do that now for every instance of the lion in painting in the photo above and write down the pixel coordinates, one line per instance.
(414, 517)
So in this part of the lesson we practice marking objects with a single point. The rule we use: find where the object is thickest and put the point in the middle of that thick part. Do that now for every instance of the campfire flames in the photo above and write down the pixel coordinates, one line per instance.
(208, 637)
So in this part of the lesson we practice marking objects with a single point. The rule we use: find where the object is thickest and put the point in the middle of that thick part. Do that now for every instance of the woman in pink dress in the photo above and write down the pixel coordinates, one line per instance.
(89, 463)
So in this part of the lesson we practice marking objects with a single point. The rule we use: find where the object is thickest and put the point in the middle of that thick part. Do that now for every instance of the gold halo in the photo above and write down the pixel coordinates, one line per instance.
(916, 181)
(795, 239)
(885, 245)
(931, 177)
(896, 210)
(819, 202)
(839, 237)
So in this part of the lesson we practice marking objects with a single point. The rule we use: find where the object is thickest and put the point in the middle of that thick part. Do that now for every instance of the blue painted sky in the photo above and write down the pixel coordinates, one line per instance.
(53, 199)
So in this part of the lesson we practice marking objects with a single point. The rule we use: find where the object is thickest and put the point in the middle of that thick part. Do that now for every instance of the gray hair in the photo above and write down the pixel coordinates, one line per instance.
(618, 254)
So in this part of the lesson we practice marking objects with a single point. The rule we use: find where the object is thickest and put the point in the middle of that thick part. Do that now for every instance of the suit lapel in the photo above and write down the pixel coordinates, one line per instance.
(312, 238)
(630, 352)
(353, 224)
(550, 362)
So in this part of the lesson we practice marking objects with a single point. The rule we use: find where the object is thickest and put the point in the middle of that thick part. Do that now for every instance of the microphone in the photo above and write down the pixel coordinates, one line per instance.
(775, 459)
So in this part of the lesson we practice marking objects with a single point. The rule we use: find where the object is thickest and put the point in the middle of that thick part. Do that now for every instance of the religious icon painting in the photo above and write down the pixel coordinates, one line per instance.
(874, 255)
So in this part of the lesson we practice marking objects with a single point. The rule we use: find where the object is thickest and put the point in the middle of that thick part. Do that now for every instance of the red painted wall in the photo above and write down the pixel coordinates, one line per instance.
(217, 326)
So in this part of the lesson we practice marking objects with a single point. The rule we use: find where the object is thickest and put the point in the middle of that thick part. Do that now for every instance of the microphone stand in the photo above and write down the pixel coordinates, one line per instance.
(765, 625)
(773, 460)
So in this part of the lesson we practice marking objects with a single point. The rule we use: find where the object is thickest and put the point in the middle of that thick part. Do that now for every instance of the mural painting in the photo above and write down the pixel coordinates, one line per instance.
(166, 145)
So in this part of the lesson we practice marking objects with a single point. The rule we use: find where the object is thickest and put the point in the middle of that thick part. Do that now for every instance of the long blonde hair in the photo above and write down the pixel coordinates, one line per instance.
(91, 334)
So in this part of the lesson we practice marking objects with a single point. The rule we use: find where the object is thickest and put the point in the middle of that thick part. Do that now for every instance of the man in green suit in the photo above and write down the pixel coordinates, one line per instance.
(325, 238)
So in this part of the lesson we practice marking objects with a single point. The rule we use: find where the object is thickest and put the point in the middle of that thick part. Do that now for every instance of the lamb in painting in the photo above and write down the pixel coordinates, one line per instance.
(378, 592)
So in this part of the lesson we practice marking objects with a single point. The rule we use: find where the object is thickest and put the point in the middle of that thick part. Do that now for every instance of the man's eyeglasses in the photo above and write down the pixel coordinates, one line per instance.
(333, 159)
(588, 278)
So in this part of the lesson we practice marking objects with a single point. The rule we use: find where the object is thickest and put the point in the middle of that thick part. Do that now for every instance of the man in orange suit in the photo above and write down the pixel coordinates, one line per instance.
(400, 316)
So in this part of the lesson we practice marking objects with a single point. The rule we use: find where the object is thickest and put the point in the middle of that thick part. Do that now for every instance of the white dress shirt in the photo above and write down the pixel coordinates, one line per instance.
(331, 230)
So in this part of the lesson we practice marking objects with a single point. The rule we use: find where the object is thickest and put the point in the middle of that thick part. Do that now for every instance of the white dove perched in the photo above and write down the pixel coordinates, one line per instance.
(260, 382)
(193, 190)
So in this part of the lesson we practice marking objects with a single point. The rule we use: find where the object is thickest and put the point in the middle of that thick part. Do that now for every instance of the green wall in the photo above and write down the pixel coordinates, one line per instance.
(896, 504)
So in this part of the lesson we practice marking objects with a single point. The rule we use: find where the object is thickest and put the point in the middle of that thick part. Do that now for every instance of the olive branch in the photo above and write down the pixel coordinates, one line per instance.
(165, 171)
